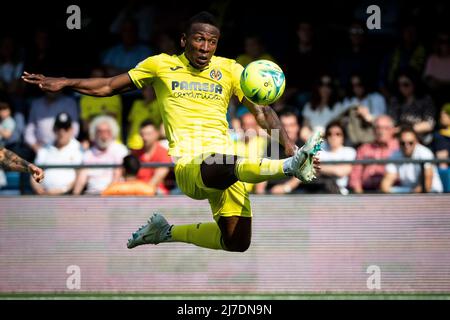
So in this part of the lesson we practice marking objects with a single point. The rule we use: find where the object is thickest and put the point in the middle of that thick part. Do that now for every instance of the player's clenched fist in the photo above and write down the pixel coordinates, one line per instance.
(36, 172)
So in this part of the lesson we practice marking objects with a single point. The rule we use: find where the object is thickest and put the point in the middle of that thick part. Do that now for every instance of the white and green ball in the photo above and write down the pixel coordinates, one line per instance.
(262, 82)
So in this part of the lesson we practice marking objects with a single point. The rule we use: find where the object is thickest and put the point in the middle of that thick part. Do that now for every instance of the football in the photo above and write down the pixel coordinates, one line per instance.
(262, 82)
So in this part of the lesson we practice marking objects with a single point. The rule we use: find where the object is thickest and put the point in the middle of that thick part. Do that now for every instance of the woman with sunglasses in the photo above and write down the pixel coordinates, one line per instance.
(323, 106)
(369, 103)
(412, 107)
(334, 150)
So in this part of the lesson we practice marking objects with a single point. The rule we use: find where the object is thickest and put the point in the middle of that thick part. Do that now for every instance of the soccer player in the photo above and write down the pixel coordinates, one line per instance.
(193, 90)
(11, 161)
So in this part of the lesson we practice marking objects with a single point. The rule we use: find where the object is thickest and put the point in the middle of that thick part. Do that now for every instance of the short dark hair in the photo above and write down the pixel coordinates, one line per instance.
(288, 113)
(406, 128)
(147, 122)
(201, 17)
(335, 123)
(131, 165)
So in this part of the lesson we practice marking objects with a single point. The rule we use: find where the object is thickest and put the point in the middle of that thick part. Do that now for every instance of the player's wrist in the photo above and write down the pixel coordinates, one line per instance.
(66, 82)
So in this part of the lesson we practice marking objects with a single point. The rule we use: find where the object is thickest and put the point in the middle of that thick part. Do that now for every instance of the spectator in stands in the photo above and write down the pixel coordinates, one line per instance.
(305, 130)
(11, 64)
(130, 185)
(65, 150)
(412, 107)
(304, 61)
(166, 43)
(253, 141)
(105, 149)
(358, 57)
(254, 49)
(408, 174)
(334, 150)
(13, 139)
(128, 53)
(141, 12)
(39, 129)
(91, 107)
(7, 123)
(152, 151)
(368, 177)
(369, 104)
(42, 57)
(142, 109)
(409, 54)
(441, 141)
(7, 126)
(437, 68)
(162, 137)
(324, 105)
(291, 124)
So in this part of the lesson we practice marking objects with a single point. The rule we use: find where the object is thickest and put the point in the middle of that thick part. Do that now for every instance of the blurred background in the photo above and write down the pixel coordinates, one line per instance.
(361, 87)
(381, 98)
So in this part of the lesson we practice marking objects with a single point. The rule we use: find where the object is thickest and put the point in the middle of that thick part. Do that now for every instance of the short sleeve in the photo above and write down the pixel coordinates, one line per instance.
(236, 71)
(426, 154)
(78, 157)
(350, 154)
(40, 157)
(391, 168)
(145, 71)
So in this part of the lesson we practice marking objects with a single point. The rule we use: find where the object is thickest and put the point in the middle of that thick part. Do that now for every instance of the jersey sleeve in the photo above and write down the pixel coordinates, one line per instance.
(145, 72)
(236, 71)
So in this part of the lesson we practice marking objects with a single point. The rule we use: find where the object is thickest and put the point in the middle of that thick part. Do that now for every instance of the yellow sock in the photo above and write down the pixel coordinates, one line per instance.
(205, 235)
(259, 170)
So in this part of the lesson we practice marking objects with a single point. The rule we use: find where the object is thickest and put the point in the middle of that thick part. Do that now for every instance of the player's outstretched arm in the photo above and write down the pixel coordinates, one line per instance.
(11, 161)
(268, 119)
(99, 87)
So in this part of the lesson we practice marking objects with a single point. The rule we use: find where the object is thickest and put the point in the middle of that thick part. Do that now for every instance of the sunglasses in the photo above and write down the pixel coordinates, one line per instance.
(407, 143)
(404, 84)
(337, 134)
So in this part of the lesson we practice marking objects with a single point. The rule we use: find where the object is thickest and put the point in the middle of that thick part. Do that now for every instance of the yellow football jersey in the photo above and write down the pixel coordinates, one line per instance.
(193, 103)
(91, 107)
(141, 111)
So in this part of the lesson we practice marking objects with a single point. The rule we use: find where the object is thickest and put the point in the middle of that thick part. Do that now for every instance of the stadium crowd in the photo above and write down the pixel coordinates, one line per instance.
(370, 102)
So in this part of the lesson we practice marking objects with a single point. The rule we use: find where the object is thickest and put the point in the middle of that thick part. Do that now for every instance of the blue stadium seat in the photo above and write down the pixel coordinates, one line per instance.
(445, 178)
(12, 184)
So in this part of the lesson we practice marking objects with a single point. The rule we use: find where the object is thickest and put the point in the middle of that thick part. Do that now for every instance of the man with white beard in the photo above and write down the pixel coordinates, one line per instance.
(103, 133)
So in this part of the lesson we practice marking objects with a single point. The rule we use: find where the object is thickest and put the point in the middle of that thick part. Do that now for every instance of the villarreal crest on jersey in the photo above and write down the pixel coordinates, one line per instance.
(193, 102)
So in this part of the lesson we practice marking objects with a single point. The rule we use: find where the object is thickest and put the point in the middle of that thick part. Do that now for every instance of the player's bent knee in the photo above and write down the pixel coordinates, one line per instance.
(237, 246)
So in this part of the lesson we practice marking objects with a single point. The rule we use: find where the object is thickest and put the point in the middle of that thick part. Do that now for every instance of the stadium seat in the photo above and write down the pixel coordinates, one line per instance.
(12, 184)
(445, 178)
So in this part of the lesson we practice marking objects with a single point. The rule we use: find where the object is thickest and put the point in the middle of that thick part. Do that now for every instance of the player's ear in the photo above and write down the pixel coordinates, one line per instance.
(183, 40)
